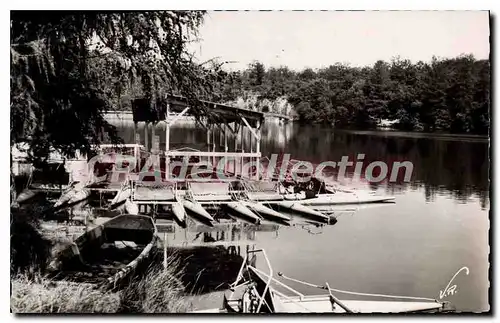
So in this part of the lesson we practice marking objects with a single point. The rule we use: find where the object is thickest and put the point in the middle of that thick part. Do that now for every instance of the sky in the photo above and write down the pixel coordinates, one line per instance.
(318, 39)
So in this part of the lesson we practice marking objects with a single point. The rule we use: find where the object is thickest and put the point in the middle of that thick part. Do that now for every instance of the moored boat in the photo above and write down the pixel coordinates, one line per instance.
(343, 198)
(266, 212)
(267, 295)
(131, 207)
(123, 194)
(107, 253)
(26, 196)
(197, 211)
(179, 213)
(239, 210)
(298, 208)
(76, 194)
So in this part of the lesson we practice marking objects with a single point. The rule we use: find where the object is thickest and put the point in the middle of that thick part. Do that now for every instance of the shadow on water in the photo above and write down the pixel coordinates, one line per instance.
(436, 158)
(209, 269)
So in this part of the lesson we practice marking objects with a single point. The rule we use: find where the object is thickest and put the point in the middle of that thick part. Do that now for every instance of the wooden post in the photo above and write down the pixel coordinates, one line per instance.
(257, 150)
(146, 136)
(251, 143)
(167, 143)
(208, 139)
(242, 148)
(152, 136)
(135, 133)
(235, 145)
(164, 250)
(225, 138)
(225, 145)
(221, 131)
(213, 146)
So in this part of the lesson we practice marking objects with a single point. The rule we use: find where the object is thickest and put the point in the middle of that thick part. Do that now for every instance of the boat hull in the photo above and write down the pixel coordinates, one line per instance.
(266, 212)
(108, 253)
(322, 304)
(121, 197)
(299, 209)
(179, 213)
(197, 211)
(341, 198)
(239, 210)
(73, 196)
(26, 196)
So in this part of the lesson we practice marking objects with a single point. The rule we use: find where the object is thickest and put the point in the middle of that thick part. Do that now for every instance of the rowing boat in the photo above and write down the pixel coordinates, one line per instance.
(256, 292)
(108, 253)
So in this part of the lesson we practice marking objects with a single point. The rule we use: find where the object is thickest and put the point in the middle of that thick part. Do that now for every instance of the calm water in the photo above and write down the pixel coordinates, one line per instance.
(438, 224)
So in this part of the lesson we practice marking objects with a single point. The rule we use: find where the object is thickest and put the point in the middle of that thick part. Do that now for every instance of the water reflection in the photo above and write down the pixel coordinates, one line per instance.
(208, 269)
(443, 165)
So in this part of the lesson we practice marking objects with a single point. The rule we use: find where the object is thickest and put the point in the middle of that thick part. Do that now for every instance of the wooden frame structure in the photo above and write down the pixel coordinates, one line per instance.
(214, 117)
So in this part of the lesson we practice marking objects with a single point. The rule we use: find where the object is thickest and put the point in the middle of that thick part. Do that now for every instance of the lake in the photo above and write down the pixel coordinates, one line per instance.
(414, 247)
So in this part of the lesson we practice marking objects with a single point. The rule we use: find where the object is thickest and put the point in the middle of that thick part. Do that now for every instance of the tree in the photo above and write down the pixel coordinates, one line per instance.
(60, 59)
(257, 73)
(442, 95)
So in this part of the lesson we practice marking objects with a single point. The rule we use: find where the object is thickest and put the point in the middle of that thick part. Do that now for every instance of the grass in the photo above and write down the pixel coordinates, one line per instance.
(40, 295)
(156, 291)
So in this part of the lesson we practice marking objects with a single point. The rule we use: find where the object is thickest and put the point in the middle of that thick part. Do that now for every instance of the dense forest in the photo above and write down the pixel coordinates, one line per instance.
(447, 95)
(450, 95)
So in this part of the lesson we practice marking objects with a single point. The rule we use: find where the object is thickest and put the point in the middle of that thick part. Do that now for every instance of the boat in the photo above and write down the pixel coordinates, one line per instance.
(128, 207)
(255, 292)
(343, 198)
(131, 207)
(108, 253)
(298, 208)
(239, 210)
(26, 196)
(179, 213)
(74, 195)
(267, 212)
(123, 194)
(197, 211)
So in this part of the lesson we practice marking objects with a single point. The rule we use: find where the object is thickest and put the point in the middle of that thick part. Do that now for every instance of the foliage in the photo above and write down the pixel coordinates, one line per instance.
(72, 66)
(28, 248)
(449, 95)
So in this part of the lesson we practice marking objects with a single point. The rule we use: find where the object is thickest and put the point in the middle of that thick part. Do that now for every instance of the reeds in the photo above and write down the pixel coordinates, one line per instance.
(156, 291)
(40, 295)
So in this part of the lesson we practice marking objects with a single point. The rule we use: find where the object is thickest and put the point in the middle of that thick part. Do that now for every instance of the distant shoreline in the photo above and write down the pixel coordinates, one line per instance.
(388, 132)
